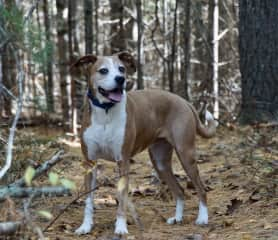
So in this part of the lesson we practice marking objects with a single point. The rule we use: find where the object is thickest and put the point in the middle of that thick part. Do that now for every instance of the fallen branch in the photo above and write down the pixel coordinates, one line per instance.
(8, 228)
(68, 205)
(41, 169)
(20, 192)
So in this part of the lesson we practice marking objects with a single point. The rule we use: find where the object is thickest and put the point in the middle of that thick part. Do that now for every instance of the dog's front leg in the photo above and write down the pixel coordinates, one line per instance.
(90, 185)
(122, 194)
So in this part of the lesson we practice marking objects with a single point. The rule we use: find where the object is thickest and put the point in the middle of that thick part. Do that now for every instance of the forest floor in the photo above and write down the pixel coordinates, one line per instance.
(238, 166)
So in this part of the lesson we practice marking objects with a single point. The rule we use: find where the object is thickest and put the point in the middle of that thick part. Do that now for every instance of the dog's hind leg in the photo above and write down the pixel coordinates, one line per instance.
(90, 184)
(187, 159)
(161, 154)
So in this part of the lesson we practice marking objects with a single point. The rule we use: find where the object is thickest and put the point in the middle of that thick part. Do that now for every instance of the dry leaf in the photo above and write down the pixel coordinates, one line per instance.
(235, 203)
(246, 236)
(267, 225)
(45, 214)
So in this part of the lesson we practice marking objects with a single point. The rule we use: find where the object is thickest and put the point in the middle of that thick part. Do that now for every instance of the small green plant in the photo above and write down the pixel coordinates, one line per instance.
(29, 175)
(53, 178)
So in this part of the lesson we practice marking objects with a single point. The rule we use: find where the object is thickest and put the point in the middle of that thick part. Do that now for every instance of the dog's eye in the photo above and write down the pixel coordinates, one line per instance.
(103, 71)
(122, 69)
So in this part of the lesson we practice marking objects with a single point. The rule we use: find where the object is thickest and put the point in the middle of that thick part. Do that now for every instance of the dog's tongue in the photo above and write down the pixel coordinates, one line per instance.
(115, 96)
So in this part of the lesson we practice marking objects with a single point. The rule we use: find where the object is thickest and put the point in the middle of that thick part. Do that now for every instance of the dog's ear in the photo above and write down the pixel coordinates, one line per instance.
(128, 61)
(85, 60)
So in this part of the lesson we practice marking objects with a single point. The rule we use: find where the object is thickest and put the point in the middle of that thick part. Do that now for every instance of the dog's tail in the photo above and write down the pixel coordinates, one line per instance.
(205, 131)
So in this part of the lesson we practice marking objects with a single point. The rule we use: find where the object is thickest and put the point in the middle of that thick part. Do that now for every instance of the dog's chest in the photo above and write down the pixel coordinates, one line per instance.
(104, 138)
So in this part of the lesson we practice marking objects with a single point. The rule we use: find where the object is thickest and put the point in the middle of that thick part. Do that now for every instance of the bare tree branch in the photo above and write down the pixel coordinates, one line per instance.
(20, 79)
(8, 92)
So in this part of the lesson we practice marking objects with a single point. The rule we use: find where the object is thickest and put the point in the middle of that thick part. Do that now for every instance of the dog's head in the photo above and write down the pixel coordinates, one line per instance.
(107, 74)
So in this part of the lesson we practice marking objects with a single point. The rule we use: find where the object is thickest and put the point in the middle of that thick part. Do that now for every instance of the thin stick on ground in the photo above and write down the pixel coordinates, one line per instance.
(130, 206)
(28, 218)
(67, 206)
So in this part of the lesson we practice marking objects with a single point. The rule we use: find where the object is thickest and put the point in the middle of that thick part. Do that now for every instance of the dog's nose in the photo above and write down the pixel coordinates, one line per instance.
(120, 80)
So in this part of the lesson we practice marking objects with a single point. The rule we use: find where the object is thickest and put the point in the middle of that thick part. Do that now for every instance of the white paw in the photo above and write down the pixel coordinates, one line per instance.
(84, 228)
(173, 220)
(202, 218)
(121, 227)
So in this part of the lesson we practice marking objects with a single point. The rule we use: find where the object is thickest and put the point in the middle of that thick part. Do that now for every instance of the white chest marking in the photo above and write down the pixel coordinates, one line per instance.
(105, 136)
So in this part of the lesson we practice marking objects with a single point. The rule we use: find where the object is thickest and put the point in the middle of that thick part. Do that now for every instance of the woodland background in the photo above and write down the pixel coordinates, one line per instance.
(173, 41)
(188, 47)
(220, 55)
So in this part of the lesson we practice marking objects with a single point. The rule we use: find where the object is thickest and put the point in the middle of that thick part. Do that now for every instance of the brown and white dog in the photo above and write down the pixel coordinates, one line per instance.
(117, 125)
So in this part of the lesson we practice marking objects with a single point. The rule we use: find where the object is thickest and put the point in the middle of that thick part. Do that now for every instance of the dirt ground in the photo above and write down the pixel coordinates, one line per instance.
(238, 166)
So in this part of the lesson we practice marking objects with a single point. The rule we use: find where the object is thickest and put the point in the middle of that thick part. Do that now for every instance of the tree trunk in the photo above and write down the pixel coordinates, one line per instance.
(62, 45)
(165, 47)
(1, 74)
(96, 27)
(71, 26)
(118, 40)
(215, 53)
(9, 77)
(171, 63)
(42, 67)
(1, 89)
(258, 48)
(49, 59)
(201, 47)
(29, 79)
(88, 22)
(8, 61)
(208, 84)
(140, 81)
(185, 36)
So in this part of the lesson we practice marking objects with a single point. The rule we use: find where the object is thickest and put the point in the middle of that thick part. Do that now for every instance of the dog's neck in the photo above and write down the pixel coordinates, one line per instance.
(103, 116)
(94, 101)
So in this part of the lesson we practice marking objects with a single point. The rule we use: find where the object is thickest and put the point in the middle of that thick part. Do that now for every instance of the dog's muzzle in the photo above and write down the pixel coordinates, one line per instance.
(114, 95)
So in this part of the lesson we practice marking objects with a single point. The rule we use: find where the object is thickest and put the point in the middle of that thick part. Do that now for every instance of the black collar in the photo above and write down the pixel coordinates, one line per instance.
(106, 105)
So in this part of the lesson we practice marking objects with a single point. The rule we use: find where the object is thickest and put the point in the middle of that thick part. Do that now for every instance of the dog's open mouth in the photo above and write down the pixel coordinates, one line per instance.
(114, 95)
